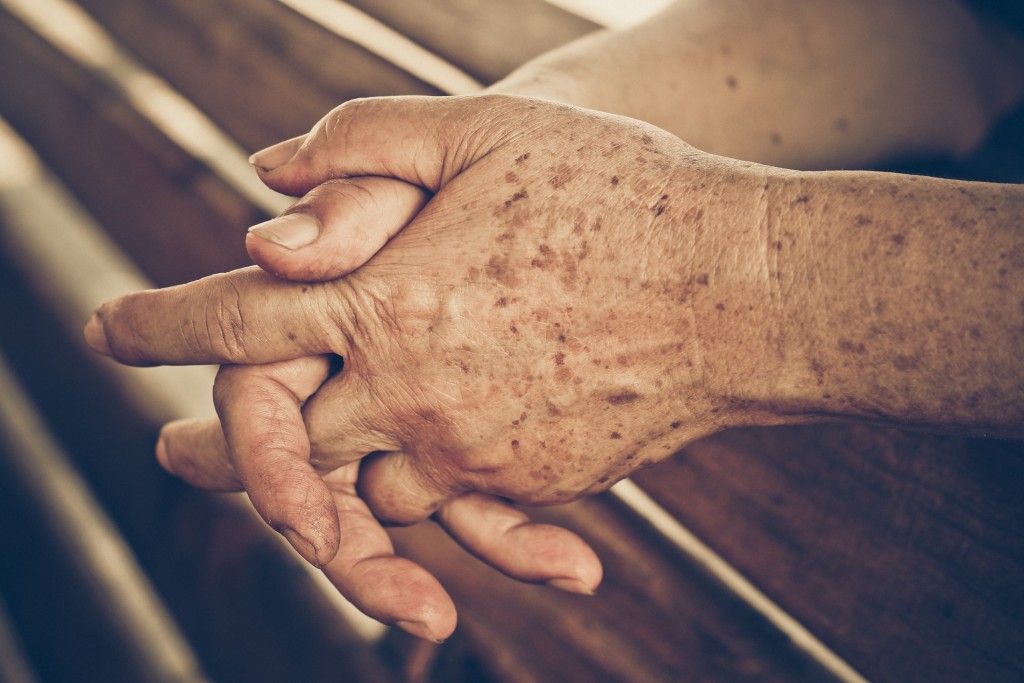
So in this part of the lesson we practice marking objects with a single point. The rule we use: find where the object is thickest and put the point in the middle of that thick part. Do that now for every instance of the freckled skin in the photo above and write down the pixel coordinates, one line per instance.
(517, 311)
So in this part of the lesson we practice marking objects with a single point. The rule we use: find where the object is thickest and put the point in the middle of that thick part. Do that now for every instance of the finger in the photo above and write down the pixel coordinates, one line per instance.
(400, 489)
(504, 538)
(260, 409)
(245, 316)
(337, 227)
(366, 570)
(421, 140)
(195, 450)
(346, 421)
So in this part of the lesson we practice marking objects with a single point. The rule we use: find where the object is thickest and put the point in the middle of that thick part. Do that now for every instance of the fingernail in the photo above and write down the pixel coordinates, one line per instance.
(302, 546)
(291, 231)
(571, 586)
(277, 155)
(418, 629)
(96, 337)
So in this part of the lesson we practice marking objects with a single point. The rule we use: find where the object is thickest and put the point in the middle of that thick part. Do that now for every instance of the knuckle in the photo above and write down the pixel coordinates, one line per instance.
(221, 325)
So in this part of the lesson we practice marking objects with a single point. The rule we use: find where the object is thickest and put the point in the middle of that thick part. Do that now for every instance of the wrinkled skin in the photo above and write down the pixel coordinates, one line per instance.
(535, 333)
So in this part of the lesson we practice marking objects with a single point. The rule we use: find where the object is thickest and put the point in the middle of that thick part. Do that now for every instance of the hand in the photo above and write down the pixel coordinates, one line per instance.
(540, 330)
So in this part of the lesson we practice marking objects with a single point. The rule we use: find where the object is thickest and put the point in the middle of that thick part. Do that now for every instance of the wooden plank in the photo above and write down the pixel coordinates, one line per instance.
(902, 551)
(121, 598)
(485, 39)
(177, 218)
(260, 70)
(246, 602)
(655, 617)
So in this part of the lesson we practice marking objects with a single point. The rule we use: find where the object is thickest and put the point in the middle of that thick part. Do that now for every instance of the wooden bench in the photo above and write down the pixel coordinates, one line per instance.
(826, 553)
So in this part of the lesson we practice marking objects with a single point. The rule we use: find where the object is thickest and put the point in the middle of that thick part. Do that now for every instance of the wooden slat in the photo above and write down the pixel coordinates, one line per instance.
(119, 164)
(149, 643)
(485, 39)
(246, 602)
(655, 617)
(902, 551)
(260, 70)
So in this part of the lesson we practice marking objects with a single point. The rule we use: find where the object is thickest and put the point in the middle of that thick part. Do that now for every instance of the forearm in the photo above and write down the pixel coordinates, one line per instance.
(795, 84)
(901, 299)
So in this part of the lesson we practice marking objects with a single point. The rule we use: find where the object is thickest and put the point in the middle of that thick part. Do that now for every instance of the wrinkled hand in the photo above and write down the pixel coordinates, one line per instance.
(536, 333)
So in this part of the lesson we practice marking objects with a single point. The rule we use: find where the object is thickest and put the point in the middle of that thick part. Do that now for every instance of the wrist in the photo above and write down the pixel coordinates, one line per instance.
(730, 300)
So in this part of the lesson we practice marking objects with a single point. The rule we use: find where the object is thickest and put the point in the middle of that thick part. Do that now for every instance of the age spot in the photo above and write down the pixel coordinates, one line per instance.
(615, 435)
(623, 398)
(522, 194)
(847, 346)
(659, 206)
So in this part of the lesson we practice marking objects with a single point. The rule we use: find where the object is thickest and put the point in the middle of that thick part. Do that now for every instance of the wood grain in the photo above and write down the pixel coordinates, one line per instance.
(255, 67)
(485, 39)
(655, 617)
(902, 551)
(176, 218)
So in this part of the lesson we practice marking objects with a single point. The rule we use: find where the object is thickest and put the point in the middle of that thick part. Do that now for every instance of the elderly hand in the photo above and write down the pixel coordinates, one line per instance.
(582, 295)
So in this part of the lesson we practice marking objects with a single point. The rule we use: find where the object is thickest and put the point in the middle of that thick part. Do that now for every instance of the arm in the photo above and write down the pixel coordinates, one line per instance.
(639, 297)
(903, 299)
(800, 84)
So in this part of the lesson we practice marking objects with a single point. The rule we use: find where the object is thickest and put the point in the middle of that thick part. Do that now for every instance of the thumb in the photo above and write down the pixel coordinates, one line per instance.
(334, 229)
(424, 141)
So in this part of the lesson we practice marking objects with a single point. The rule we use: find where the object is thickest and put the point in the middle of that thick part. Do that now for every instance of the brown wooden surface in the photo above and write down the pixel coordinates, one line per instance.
(655, 617)
(904, 552)
(177, 219)
(254, 66)
(246, 606)
(485, 39)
